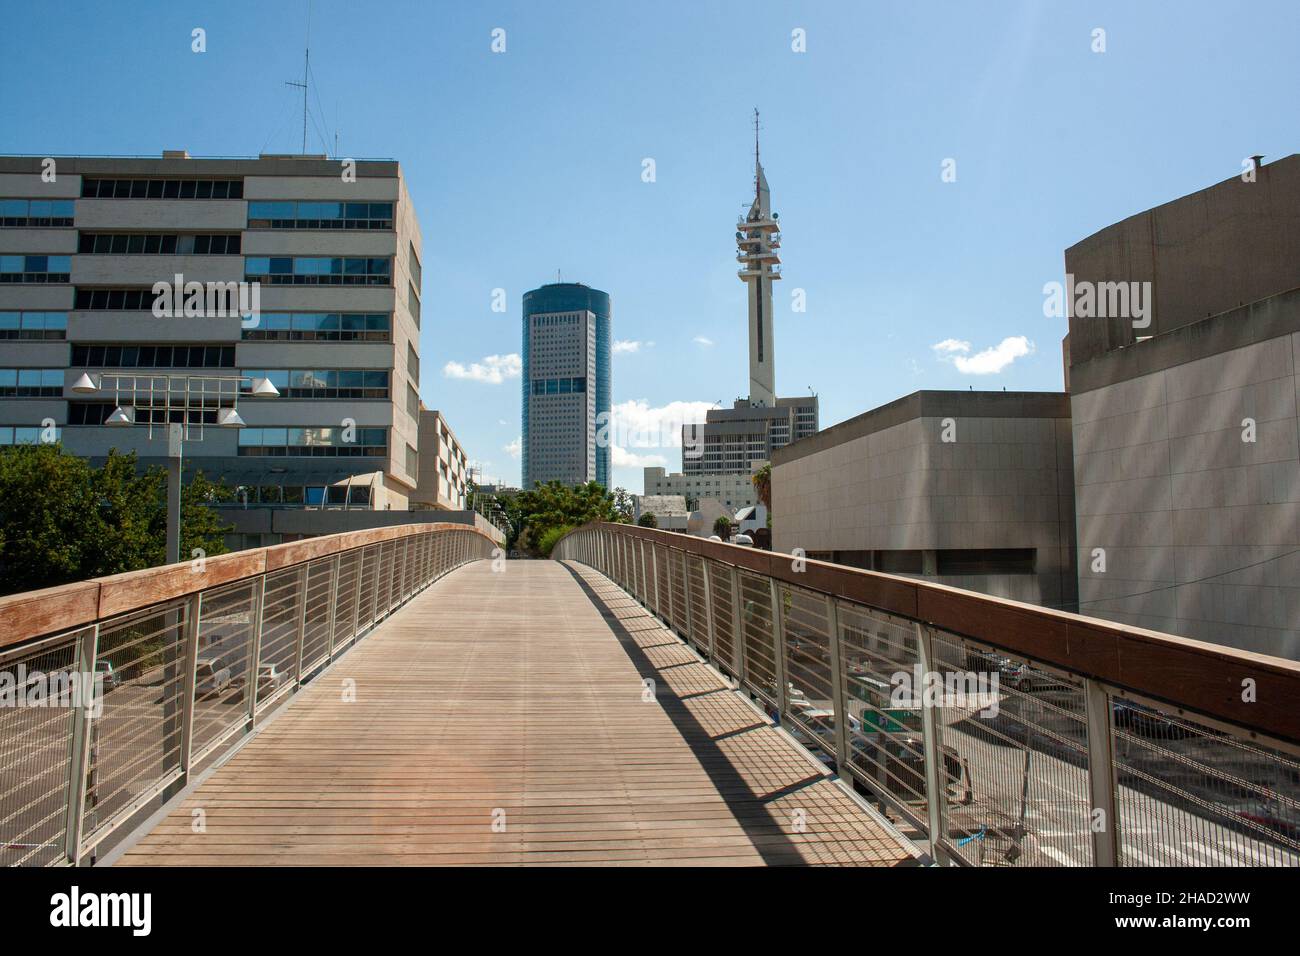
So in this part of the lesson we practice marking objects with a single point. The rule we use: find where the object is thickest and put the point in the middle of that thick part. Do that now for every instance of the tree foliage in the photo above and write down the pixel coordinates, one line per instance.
(722, 527)
(536, 512)
(648, 520)
(762, 480)
(62, 520)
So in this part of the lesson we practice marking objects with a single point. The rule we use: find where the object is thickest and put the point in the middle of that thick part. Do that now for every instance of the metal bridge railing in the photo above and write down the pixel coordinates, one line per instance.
(181, 662)
(994, 732)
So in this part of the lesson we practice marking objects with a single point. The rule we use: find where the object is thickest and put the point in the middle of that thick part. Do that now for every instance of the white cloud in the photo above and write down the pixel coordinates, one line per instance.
(494, 369)
(657, 427)
(626, 346)
(502, 421)
(622, 458)
(515, 448)
(992, 360)
(703, 340)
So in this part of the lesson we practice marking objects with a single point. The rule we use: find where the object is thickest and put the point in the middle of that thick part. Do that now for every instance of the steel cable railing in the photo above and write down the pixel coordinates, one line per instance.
(168, 669)
(993, 732)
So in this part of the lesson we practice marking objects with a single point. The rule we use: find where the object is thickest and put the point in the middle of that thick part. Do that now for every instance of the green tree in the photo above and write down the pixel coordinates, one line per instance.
(62, 520)
(722, 527)
(762, 480)
(648, 520)
(535, 512)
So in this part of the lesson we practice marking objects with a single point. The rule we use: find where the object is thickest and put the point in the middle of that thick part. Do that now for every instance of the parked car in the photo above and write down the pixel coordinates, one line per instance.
(269, 679)
(211, 678)
(110, 678)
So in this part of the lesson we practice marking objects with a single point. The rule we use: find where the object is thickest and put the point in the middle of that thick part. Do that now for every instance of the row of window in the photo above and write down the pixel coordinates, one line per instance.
(159, 244)
(95, 413)
(33, 325)
(28, 435)
(320, 327)
(38, 268)
(559, 386)
(36, 212)
(309, 495)
(320, 215)
(318, 270)
(314, 442)
(162, 188)
(326, 383)
(31, 382)
(114, 300)
(153, 356)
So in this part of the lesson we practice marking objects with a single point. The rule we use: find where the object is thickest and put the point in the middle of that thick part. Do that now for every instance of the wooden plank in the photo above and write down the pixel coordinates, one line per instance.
(519, 698)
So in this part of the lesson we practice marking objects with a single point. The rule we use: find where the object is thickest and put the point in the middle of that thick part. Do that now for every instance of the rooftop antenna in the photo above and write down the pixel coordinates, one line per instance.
(756, 129)
(306, 63)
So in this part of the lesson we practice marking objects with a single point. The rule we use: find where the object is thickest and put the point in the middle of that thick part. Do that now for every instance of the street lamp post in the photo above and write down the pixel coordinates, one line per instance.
(177, 397)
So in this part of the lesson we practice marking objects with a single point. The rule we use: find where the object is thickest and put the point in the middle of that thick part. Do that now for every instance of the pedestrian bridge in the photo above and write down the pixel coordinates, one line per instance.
(407, 696)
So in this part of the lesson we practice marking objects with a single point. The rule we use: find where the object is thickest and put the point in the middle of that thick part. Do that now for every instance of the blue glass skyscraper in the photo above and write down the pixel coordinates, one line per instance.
(567, 384)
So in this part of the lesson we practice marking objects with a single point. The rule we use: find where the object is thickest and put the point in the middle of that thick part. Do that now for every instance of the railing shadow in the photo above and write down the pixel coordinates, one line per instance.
(749, 808)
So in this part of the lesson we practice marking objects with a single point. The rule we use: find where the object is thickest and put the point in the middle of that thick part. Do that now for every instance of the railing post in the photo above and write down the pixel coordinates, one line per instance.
(839, 699)
(778, 647)
(193, 610)
(333, 600)
(737, 629)
(708, 605)
(686, 597)
(1101, 775)
(654, 576)
(255, 656)
(82, 715)
(300, 634)
(356, 598)
(932, 748)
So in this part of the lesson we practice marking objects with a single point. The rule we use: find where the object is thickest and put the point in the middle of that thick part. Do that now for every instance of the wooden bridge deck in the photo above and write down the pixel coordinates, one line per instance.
(502, 718)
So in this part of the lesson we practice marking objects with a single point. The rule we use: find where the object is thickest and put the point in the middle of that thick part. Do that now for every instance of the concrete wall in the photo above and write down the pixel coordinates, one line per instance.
(887, 481)
(1214, 250)
(1173, 495)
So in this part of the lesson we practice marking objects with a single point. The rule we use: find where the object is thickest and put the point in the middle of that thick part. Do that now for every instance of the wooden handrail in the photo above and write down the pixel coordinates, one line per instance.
(32, 614)
(1254, 691)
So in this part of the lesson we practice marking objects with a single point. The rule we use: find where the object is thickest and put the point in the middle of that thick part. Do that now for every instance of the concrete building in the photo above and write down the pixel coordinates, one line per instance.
(567, 387)
(970, 488)
(444, 466)
(733, 491)
(670, 511)
(335, 260)
(735, 441)
(1186, 464)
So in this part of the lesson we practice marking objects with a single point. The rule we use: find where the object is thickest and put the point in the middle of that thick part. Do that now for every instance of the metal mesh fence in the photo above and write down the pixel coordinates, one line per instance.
(757, 638)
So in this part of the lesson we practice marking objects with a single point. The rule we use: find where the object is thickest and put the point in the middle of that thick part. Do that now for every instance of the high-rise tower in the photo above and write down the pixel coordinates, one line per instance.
(566, 384)
(758, 238)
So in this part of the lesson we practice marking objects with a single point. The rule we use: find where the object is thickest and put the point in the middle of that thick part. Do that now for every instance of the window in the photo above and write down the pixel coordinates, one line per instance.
(325, 383)
(162, 188)
(28, 435)
(319, 442)
(986, 561)
(414, 264)
(320, 215)
(321, 327)
(412, 403)
(317, 270)
(39, 213)
(412, 364)
(153, 356)
(31, 382)
(153, 412)
(412, 462)
(114, 300)
(159, 244)
(33, 325)
(413, 304)
(35, 269)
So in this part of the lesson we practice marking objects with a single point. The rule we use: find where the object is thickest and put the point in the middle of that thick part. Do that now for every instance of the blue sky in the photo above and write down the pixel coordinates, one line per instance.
(528, 163)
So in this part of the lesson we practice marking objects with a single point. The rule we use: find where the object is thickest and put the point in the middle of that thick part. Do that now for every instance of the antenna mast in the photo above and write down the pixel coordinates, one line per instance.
(756, 129)
(306, 65)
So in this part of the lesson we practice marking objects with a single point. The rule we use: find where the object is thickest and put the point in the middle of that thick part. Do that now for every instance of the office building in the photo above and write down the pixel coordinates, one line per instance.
(1186, 464)
(734, 491)
(567, 385)
(332, 252)
(972, 489)
(444, 466)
